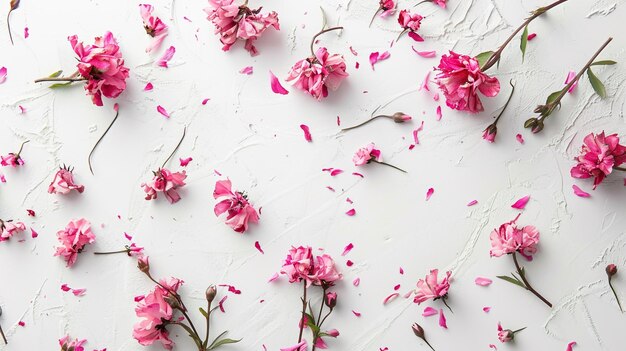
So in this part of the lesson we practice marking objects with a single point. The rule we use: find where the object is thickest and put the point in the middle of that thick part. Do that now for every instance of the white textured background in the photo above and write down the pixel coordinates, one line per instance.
(252, 135)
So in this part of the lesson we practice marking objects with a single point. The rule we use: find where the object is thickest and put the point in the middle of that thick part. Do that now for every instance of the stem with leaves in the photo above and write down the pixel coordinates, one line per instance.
(304, 303)
(523, 282)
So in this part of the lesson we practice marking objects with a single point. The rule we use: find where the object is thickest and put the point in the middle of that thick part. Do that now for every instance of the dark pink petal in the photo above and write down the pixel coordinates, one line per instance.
(65, 288)
(3, 74)
(348, 200)
(335, 172)
(351, 212)
(521, 203)
(139, 298)
(415, 36)
(472, 203)
(221, 303)
(185, 161)
(429, 193)
(390, 298)
(31, 213)
(356, 281)
(486, 309)
(570, 77)
(483, 281)
(33, 233)
(349, 263)
(397, 287)
(376, 57)
(519, 138)
(426, 54)
(21, 324)
(330, 188)
(531, 36)
(276, 86)
(231, 289)
(570, 346)
(579, 192)
(162, 111)
(439, 115)
(353, 51)
(401, 270)
(429, 311)
(148, 87)
(358, 174)
(492, 346)
(205, 101)
(442, 320)
(22, 109)
(26, 33)
(167, 56)
(347, 249)
(307, 133)
(338, 120)
(247, 70)
(127, 236)
(416, 131)
(358, 314)
(258, 247)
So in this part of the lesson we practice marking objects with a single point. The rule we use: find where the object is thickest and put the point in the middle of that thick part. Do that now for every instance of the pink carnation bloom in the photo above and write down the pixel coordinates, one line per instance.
(441, 3)
(366, 154)
(325, 271)
(509, 239)
(166, 182)
(460, 79)
(430, 288)
(10, 228)
(156, 314)
(409, 21)
(153, 26)
(240, 211)
(490, 133)
(301, 265)
(12, 160)
(234, 22)
(67, 343)
(387, 7)
(317, 74)
(102, 65)
(76, 235)
(63, 183)
(598, 156)
(504, 335)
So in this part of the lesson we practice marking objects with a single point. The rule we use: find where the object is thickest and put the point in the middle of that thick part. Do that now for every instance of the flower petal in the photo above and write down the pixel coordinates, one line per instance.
(390, 298)
(167, 56)
(247, 70)
(429, 193)
(162, 111)
(570, 346)
(3, 74)
(442, 320)
(276, 86)
(258, 247)
(519, 138)
(426, 54)
(148, 87)
(307, 133)
(351, 212)
(483, 281)
(429, 311)
(579, 192)
(521, 203)
(347, 249)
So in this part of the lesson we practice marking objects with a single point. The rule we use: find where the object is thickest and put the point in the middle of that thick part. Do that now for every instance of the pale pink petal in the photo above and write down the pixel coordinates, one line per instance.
(570, 77)
(521, 203)
(429, 311)
(579, 192)
(307, 133)
(148, 87)
(356, 281)
(185, 161)
(247, 70)
(439, 115)
(570, 346)
(258, 247)
(351, 212)
(426, 54)
(272, 278)
(486, 309)
(162, 111)
(442, 320)
(3, 74)
(167, 56)
(429, 193)
(347, 249)
(79, 292)
(390, 298)
(483, 281)
(425, 82)
(472, 203)
(276, 86)
(519, 138)
(416, 131)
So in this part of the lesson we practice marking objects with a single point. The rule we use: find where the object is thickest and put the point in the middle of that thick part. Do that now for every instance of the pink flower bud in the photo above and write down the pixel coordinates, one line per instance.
(400, 117)
(211, 291)
(490, 132)
(611, 270)
(143, 263)
(331, 300)
(418, 330)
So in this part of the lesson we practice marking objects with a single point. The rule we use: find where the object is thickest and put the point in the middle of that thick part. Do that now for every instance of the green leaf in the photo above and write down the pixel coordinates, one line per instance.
(552, 97)
(55, 74)
(511, 280)
(59, 85)
(217, 344)
(483, 57)
(524, 42)
(596, 84)
(203, 312)
(603, 63)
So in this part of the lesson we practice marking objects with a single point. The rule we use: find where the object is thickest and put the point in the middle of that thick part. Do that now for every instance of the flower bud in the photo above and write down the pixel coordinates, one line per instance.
(172, 301)
(490, 132)
(611, 270)
(506, 335)
(400, 117)
(143, 264)
(211, 291)
(333, 333)
(531, 122)
(418, 330)
(538, 127)
(331, 300)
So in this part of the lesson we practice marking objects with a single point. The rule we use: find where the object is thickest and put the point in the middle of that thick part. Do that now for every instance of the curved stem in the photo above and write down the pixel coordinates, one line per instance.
(374, 17)
(4, 338)
(117, 113)
(10, 37)
(21, 148)
(303, 311)
(60, 79)
(111, 252)
(366, 122)
(319, 318)
(183, 310)
(427, 343)
(445, 303)
(507, 102)
(615, 294)
(389, 165)
(176, 148)
(320, 33)
(527, 284)
(401, 33)
(208, 324)
(619, 168)
(421, 2)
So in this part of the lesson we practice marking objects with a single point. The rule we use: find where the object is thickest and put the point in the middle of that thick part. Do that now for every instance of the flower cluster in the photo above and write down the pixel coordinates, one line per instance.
(599, 156)
(153, 25)
(509, 238)
(236, 204)
(233, 22)
(166, 182)
(63, 182)
(9, 228)
(319, 73)
(76, 235)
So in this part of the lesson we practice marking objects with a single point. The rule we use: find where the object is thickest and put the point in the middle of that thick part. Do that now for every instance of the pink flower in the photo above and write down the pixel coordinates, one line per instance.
(156, 314)
(153, 25)
(10, 228)
(103, 67)
(366, 154)
(504, 335)
(301, 265)
(325, 271)
(166, 182)
(460, 79)
(240, 211)
(319, 73)
(67, 343)
(509, 239)
(490, 132)
(430, 288)
(76, 235)
(302, 346)
(388, 7)
(12, 160)
(598, 156)
(234, 22)
(409, 21)
(63, 182)
(442, 4)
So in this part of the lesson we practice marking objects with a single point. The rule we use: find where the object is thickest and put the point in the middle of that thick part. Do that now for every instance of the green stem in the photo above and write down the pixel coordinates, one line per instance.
(21, 148)
(527, 284)
(615, 294)
(446, 303)
(507, 102)
(319, 318)
(320, 33)
(303, 311)
(389, 165)
(619, 168)
(111, 252)
(60, 79)
(404, 31)
(208, 324)
(191, 333)
(117, 113)
(366, 122)
(176, 148)
(374, 17)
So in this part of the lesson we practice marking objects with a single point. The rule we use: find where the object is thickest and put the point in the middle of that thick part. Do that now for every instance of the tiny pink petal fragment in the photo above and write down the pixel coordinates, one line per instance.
(570, 77)
(531, 36)
(486, 309)
(128, 237)
(362, 176)
(472, 203)
(21, 324)
(390, 298)
(376, 57)
(353, 51)
(351, 212)
(483, 281)
(570, 346)
(349, 263)
(492, 346)
(276, 86)
(26, 33)
(580, 192)
(397, 287)
(521, 203)
(258, 247)
(439, 115)
(162, 111)
(247, 70)
(424, 85)
(338, 121)
(429, 193)
(33, 233)
(426, 54)
(336, 172)
(22, 109)
(415, 36)
(356, 281)
(167, 56)
(65, 288)
(139, 298)
(347, 249)
(358, 314)
(3, 74)
(519, 138)
(272, 278)
(307, 133)
(415, 133)
(442, 320)
(79, 292)
(429, 311)
(148, 87)
(401, 270)
(185, 161)
(221, 303)
(205, 101)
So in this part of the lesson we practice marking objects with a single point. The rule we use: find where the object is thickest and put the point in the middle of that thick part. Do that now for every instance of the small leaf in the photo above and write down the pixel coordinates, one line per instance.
(217, 342)
(55, 74)
(596, 84)
(523, 42)
(483, 57)
(604, 63)
(511, 280)
(552, 97)
(59, 85)
(203, 312)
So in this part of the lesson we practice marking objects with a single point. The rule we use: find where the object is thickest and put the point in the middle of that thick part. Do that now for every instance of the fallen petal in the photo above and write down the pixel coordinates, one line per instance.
(483, 281)
(276, 86)
(442, 320)
(162, 111)
(521, 203)
(429, 193)
(429, 311)
(307, 133)
(579, 192)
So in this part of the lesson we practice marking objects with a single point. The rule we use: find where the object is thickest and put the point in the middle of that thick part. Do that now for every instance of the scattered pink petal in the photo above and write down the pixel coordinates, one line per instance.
(21, 324)
(247, 70)
(336, 172)
(375, 57)
(330, 188)
(486, 309)
(30, 212)
(356, 281)
(26, 33)
(439, 115)
(3, 74)
(221, 303)
(397, 287)
(307, 133)
(348, 200)
(426, 54)
(416, 131)
(429, 193)
(338, 120)
(436, 98)
(258, 247)
(492, 346)
(231, 289)
(128, 236)
(390, 298)
(148, 87)
(519, 138)
(531, 36)
(483, 281)
(33, 233)
(276, 86)
(65, 288)
(362, 176)
(162, 111)
(442, 320)
(167, 56)
(415, 36)
(580, 192)
(521, 203)
(205, 101)
(570, 77)
(401, 270)
(570, 346)
(429, 311)
(22, 109)
(347, 249)
(349, 263)
(139, 298)
(351, 212)
(472, 203)
(358, 314)
(185, 161)
(353, 51)
(425, 82)
(272, 278)
(79, 292)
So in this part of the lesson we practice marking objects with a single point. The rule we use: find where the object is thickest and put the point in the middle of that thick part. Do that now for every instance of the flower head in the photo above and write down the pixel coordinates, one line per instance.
(300, 265)
(505, 335)
(366, 154)
(490, 132)
(76, 235)
(387, 7)
(233, 22)
(166, 182)
(12, 160)
(410, 21)
(102, 65)
(67, 344)
(153, 25)
(508, 238)
(156, 313)
(10, 228)
(460, 78)
(598, 155)
(236, 204)
(319, 73)
(441, 3)
(430, 288)
(63, 182)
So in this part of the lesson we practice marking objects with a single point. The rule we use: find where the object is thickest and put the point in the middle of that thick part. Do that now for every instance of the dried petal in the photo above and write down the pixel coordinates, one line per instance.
(521, 203)
(276, 86)
(579, 192)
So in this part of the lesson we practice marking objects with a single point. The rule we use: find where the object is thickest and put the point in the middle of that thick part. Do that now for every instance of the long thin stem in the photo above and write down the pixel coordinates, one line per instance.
(176, 148)
(507, 102)
(208, 323)
(619, 168)
(374, 17)
(615, 294)
(366, 122)
(446, 303)
(421, 2)
(303, 311)
(399, 35)
(117, 113)
(60, 79)
(319, 318)
(518, 330)
(9, 26)
(496, 55)
(21, 148)
(429, 345)
(191, 332)
(4, 338)
(111, 252)
(320, 33)
(527, 284)
(389, 165)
